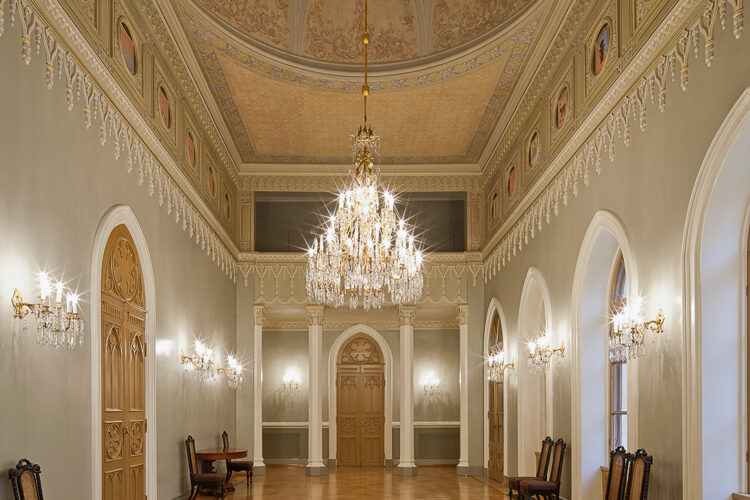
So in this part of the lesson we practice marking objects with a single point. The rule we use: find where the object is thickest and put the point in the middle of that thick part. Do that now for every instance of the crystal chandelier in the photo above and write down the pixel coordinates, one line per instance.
(541, 353)
(233, 372)
(630, 334)
(200, 362)
(364, 251)
(496, 364)
(56, 325)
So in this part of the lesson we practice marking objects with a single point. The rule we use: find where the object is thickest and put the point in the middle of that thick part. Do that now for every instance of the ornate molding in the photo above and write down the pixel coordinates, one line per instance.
(690, 25)
(315, 315)
(158, 26)
(259, 315)
(332, 183)
(462, 314)
(406, 315)
(87, 79)
(343, 325)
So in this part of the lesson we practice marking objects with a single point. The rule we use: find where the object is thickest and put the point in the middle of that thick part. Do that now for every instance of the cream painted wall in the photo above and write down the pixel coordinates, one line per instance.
(56, 183)
(648, 188)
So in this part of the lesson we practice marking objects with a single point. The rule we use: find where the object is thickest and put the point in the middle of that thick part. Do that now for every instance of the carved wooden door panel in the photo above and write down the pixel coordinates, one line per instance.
(360, 385)
(347, 416)
(123, 370)
(371, 388)
(495, 415)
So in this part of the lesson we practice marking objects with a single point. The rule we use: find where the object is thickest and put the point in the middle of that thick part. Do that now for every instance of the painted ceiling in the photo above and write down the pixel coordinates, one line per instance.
(286, 74)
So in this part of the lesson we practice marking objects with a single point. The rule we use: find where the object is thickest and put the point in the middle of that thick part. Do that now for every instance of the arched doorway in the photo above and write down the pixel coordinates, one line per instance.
(360, 402)
(123, 358)
(496, 411)
(534, 405)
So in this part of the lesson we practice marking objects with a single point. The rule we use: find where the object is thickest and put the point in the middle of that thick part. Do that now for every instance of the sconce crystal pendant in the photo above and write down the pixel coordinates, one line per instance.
(290, 382)
(496, 364)
(432, 386)
(56, 325)
(233, 372)
(200, 362)
(363, 252)
(541, 353)
(630, 335)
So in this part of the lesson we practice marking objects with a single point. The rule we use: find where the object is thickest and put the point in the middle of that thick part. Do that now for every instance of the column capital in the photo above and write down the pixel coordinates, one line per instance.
(462, 314)
(259, 313)
(315, 315)
(406, 315)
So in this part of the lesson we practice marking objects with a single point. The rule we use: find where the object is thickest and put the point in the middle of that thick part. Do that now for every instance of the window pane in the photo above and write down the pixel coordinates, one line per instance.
(619, 387)
(620, 288)
(619, 431)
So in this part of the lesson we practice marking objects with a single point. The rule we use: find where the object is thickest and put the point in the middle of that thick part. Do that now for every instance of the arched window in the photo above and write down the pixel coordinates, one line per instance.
(495, 415)
(496, 331)
(618, 371)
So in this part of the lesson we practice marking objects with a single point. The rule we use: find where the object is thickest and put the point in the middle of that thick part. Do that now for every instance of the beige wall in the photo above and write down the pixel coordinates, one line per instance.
(648, 188)
(56, 183)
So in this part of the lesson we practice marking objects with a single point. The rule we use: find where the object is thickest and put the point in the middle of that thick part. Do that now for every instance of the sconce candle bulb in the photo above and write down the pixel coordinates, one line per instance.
(541, 353)
(496, 364)
(630, 334)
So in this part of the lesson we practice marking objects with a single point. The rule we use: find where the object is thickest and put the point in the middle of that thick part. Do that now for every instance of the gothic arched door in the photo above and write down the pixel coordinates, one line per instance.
(123, 346)
(360, 386)
(496, 411)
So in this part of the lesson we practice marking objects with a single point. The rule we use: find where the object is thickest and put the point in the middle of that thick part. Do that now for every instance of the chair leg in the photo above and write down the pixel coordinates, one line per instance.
(247, 478)
(193, 492)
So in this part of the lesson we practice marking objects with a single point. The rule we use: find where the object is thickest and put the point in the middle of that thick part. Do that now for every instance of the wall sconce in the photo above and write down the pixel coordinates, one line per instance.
(233, 372)
(629, 334)
(541, 354)
(290, 381)
(56, 325)
(200, 361)
(496, 364)
(431, 385)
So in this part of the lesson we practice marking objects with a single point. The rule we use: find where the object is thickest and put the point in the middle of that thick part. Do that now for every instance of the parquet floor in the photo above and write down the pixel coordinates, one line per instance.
(351, 483)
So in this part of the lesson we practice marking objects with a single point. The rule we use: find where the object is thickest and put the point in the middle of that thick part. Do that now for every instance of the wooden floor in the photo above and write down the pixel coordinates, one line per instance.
(344, 483)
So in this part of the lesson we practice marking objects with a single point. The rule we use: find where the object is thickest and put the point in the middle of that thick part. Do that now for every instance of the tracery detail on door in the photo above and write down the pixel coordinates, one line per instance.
(123, 345)
(360, 403)
(496, 411)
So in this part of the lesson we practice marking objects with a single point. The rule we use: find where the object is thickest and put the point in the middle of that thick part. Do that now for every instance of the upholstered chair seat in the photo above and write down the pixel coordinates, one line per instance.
(514, 483)
(245, 466)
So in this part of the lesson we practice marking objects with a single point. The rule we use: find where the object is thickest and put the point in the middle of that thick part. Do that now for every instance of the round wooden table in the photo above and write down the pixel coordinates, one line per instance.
(208, 456)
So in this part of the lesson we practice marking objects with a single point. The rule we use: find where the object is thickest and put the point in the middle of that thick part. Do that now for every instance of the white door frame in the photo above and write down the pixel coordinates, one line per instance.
(122, 214)
(495, 306)
(388, 371)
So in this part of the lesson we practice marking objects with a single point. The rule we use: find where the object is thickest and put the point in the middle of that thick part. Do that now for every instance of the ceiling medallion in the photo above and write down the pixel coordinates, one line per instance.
(363, 251)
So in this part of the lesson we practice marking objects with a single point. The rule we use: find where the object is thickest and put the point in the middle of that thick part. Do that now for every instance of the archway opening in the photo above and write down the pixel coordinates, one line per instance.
(532, 386)
(360, 403)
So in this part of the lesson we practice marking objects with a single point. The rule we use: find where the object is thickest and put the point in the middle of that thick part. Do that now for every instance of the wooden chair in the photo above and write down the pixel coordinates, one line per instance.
(245, 466)
(27, 485)
(514, 483)
(201, 480)
(638, 475)
(618, 474)
(547, 489)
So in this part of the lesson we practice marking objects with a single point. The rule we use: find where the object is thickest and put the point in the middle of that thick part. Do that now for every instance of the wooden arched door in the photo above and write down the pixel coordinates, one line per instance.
(360, 389)
(496, 412)
(123, 345)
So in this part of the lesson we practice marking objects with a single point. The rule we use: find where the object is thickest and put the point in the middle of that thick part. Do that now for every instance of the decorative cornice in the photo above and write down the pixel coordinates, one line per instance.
(690, 24)
(330, 183)
(157, 25)
(535, 90)
(343, 325)
(46, 24)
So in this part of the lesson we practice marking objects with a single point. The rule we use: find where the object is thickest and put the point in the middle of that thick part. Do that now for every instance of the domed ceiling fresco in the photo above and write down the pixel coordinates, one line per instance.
(286, 74)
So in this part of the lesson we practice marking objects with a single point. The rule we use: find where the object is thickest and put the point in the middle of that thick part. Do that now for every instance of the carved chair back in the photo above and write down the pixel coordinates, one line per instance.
(26, 481)
(544, 455)
(558, 455)
(639, 474)
(618, 474)
(225, 439)
(192, 462)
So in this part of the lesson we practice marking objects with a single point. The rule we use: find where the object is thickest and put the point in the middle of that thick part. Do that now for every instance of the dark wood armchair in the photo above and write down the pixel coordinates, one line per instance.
(618, 474)
(638, 475)
(245, 466)
(514, 483)
(201, 480)
(27, 485)
(551, 488)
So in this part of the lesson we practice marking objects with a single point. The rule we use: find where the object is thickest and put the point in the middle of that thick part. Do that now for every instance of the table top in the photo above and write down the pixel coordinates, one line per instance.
(220, 453)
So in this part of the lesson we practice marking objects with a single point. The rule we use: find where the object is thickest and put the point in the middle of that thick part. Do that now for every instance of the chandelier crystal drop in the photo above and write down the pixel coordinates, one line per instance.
(630, 334)
(364, 250)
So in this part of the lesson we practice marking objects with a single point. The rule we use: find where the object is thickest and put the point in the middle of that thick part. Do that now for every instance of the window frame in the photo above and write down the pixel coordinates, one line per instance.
(615, 304)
